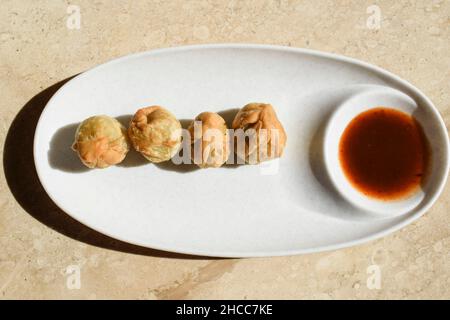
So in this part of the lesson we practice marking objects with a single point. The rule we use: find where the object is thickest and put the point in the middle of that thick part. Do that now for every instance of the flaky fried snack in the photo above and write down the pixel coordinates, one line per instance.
(155, 133)
(100, 142)
(209, 140)
(259, 135)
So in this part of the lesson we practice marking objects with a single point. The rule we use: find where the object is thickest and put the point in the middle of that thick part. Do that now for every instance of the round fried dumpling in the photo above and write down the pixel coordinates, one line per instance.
(155, 133)
(262, 136)
(100, 142)
(209, 140)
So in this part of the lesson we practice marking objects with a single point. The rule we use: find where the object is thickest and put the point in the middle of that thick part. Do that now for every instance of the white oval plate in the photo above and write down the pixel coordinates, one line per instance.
(231, 211)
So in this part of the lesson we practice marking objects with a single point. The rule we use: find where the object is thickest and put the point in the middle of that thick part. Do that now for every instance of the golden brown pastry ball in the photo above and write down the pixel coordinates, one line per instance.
(266, 137)
(155, 133)
(100, 142)
(211, 138)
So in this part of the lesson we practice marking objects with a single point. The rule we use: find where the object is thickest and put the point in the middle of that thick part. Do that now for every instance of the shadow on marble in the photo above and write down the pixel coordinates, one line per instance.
(22, 179)
(60, 154)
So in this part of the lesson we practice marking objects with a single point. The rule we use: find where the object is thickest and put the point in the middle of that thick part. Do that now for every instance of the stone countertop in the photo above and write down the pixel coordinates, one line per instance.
(44, 251)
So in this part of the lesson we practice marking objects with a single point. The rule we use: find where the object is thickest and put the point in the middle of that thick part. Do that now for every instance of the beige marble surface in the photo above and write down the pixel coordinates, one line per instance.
(38, 243)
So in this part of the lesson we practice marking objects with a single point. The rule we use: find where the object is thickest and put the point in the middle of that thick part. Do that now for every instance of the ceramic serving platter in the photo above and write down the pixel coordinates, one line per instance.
(295, 205)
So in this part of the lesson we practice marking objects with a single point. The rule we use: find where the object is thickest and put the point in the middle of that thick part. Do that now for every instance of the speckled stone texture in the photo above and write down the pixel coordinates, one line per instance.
(42, 249)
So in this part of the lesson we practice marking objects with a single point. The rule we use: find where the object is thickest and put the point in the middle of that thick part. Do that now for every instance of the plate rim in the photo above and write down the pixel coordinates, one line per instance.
(269, 253)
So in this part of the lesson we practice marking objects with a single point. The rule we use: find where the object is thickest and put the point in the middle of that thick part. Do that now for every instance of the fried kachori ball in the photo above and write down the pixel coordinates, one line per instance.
(155, 133)
(100, 142)
(259, 135)
(209, 134)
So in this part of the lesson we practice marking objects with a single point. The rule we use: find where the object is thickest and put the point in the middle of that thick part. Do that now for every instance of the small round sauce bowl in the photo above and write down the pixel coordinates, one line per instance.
(364, 99)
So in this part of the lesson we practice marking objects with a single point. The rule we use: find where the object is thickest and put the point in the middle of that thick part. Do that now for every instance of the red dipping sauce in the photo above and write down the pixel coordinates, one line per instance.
(384, 153)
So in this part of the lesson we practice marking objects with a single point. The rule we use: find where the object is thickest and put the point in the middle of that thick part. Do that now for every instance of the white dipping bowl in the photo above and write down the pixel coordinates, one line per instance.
(363, 99)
